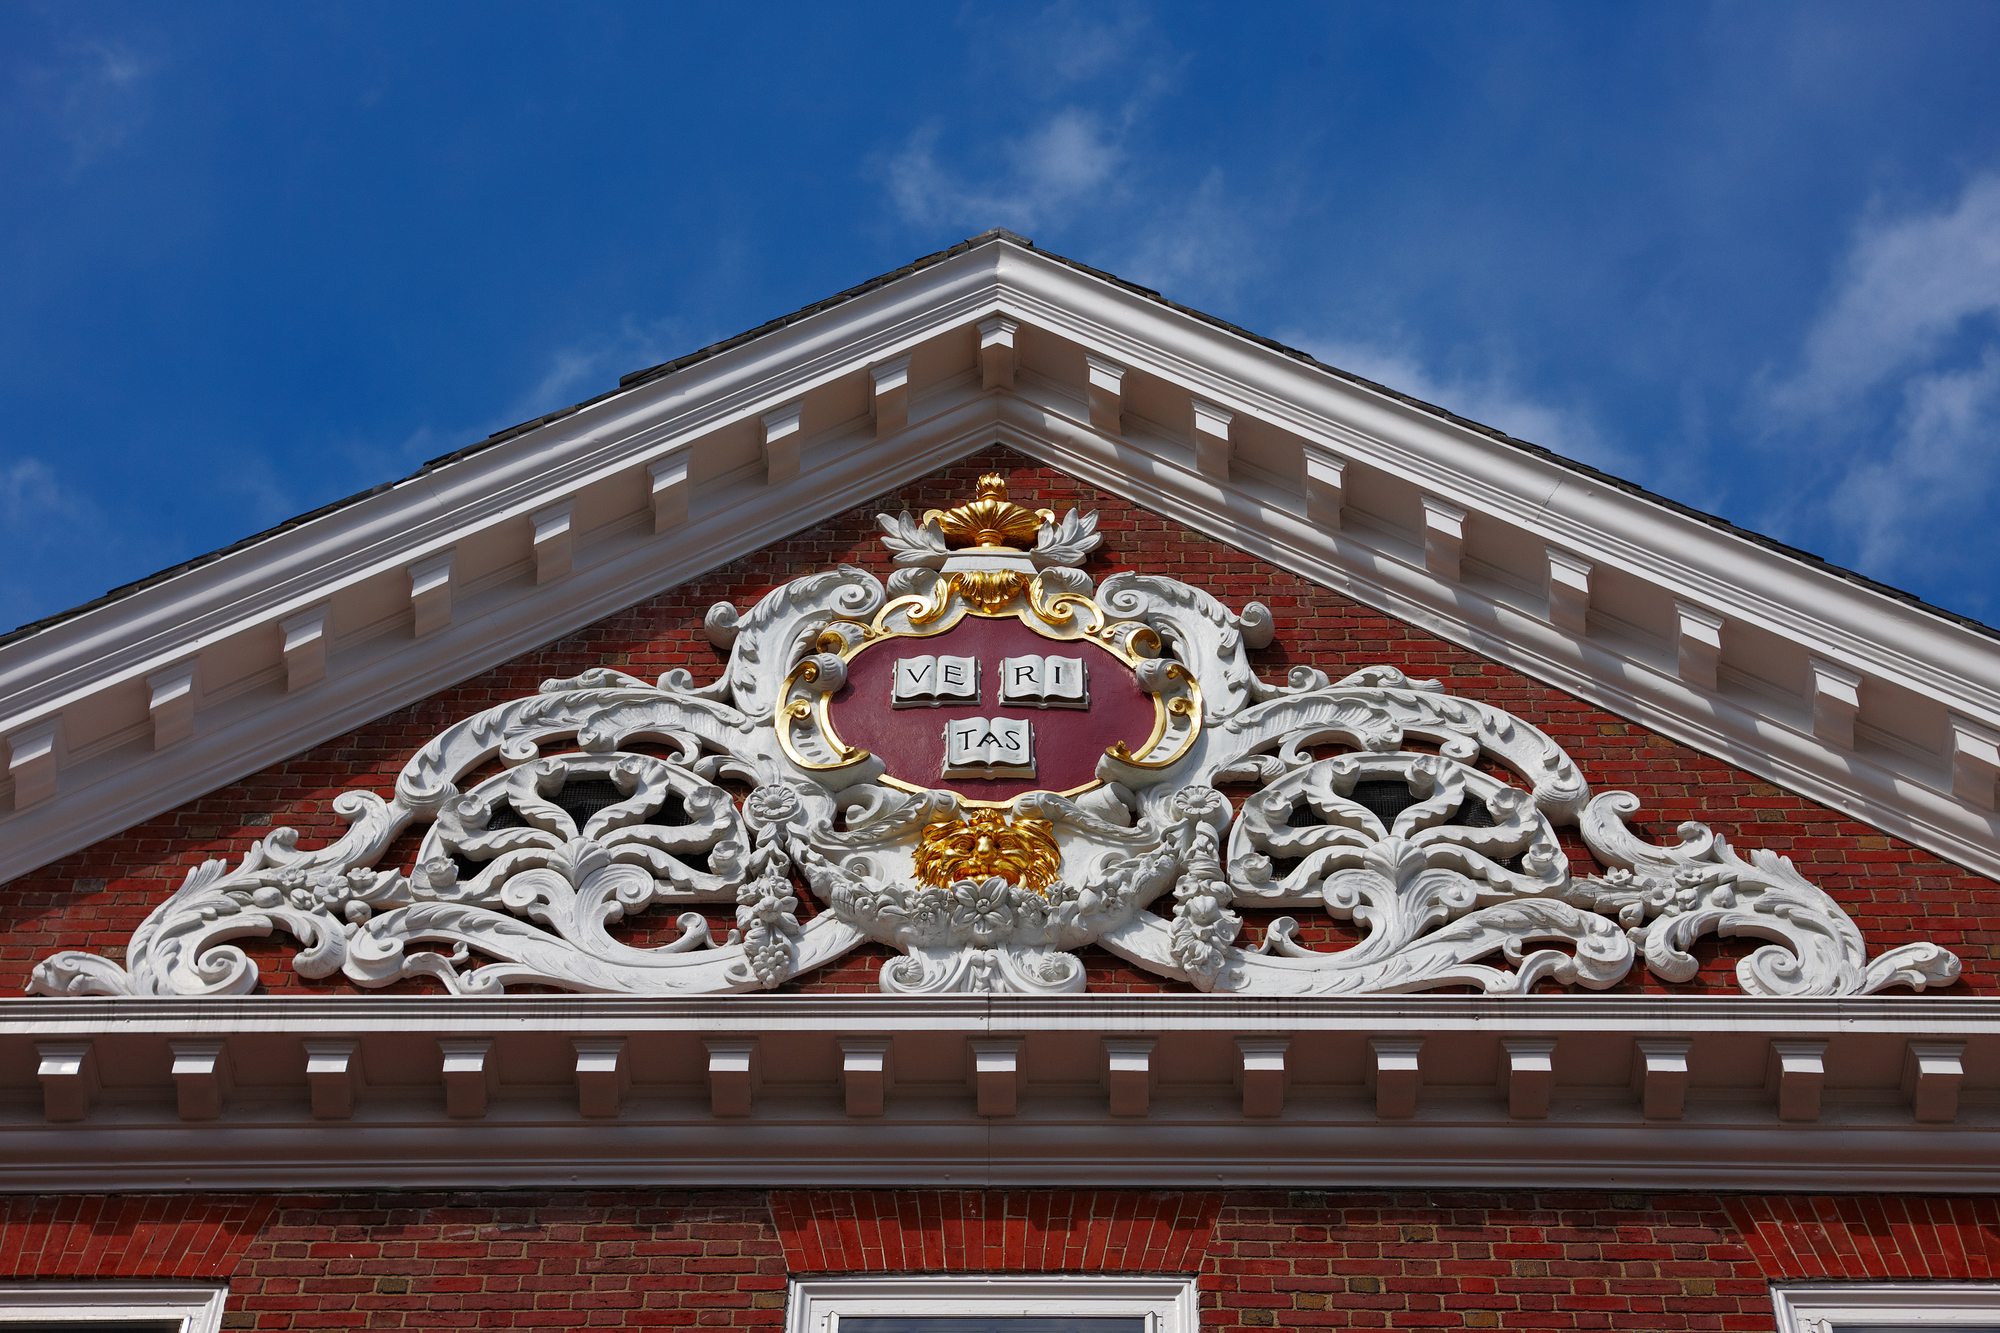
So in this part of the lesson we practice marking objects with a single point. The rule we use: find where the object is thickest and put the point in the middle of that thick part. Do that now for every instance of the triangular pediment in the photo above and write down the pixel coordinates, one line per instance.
(1813, 679)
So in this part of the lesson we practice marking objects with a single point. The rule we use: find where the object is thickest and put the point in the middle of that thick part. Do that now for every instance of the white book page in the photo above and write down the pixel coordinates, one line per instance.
(989, 746)
(1063, 678)
(1022, 678)
(916, 678)
(957, 678)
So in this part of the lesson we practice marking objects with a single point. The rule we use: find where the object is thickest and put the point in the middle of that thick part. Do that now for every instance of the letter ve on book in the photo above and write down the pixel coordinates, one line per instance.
(989, 747)
(928, 682)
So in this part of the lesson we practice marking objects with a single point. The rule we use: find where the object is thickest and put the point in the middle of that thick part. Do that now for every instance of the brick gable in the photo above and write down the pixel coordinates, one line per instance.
(1897, 893)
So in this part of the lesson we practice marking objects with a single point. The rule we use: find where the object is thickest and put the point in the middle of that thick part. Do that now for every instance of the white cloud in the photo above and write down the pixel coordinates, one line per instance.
(1489, 398)
(1899, 380)
(1072, 150)
(1908, 285)
(1046, 54)
(587, 369)
(33, 502)
(1072, 46)
(97, 97)
(1939, 470)
(1200, 247)
(1070, 156)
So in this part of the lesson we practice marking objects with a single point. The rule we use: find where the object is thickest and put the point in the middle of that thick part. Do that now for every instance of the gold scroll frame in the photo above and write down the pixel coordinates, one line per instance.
(940, 613)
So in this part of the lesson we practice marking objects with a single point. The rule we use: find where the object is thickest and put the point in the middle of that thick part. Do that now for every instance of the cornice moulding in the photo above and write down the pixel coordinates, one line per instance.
(604, 1092)
(1137, 1012)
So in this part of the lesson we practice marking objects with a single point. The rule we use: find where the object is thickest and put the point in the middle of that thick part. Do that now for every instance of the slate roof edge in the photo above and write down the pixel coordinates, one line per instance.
(648, 375)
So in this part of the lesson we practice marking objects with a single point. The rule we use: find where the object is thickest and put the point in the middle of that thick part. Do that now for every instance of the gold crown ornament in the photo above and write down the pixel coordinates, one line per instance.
(991, 519)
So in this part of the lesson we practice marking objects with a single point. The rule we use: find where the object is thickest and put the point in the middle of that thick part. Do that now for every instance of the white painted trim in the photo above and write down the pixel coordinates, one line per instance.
(782, 442)
(889, 383)
(670, 488)
(197, 1307)
(1444, 537)
(430, 593)
(1106, 391)
(1975, 761)
(1698, 643)
(35, 757)
(1212, 446)
(1829, 1307)
(172, 698)
(303, 638)
(90, 665)
(996, 352)
(1937, 1016)
(1836, 701)
(554, 541)
(1169, 1305)
(1568, 591)
(1326, 480)
(913, 1091)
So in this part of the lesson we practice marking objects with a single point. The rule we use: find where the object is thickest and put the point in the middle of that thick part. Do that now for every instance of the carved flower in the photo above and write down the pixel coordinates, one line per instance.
(981, 909)
(1203, 803)
(437, 873)
(772, 803)
(930, 907)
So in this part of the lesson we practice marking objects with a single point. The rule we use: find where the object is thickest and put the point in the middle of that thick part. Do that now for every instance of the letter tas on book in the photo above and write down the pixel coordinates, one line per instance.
(989, 747)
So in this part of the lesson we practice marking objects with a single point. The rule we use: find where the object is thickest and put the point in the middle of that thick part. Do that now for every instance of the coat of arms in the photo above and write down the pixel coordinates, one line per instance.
(985, 764)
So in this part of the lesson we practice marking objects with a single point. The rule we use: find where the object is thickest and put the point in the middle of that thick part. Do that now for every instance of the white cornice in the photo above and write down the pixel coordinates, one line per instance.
(88, 671)
(601, 1092)
(1900, 1016)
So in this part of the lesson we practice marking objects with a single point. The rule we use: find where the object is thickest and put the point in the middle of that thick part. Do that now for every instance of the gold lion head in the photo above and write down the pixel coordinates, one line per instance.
(985, 844)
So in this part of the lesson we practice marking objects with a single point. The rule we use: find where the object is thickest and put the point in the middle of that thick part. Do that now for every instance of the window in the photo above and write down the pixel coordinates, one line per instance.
(1031, 1323)
(992, 1304)
(1888, 1307)
(109, 1307)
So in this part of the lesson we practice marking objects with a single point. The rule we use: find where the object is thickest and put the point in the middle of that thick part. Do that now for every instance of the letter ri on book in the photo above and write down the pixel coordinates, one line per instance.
(1044, 682)
(927, 682)
(989, 747)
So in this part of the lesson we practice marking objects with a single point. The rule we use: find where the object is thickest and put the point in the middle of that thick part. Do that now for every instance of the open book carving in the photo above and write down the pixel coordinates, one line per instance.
(1044, 682)
(989, 747)
(927, 682)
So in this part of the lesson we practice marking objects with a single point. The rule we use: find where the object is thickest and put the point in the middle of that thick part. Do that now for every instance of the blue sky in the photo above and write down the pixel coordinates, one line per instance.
(257, 257)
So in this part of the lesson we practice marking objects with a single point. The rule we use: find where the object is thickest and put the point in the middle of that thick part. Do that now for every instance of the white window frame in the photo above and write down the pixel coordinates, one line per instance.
(817, 1305)
(198, 1307)
(1827, 1307)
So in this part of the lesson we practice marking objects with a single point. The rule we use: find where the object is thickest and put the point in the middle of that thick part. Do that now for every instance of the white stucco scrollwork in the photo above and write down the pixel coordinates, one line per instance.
(1427, 820)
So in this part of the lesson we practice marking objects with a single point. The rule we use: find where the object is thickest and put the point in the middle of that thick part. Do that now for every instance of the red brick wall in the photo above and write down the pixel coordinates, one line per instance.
(973, 1231)
(94, 899)
(639, 1259)
(156, 1236)
(1266, 1259)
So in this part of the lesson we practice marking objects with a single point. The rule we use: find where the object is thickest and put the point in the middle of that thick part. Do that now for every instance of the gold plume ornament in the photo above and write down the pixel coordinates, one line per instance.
(991, 519)
(986, 844)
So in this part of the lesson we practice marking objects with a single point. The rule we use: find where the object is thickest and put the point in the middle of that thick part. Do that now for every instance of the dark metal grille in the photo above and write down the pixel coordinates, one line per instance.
(580, 798)
(1385, 798)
